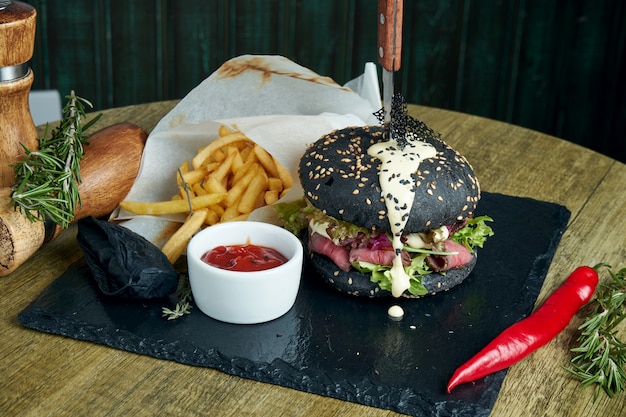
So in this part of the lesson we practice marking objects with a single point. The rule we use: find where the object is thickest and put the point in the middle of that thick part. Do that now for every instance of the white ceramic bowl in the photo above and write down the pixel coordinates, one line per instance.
(244, 297)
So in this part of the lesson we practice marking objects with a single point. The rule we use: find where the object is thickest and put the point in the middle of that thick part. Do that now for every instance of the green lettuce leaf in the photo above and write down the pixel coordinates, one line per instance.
(292, 215)
(475, 233)
(296, 215)
(382, 276)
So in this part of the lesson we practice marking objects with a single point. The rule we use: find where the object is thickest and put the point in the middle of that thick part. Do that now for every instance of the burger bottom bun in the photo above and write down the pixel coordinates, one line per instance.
(356, 283)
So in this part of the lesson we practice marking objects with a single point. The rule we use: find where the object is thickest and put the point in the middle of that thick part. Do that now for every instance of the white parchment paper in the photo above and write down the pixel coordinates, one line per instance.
(279, 104)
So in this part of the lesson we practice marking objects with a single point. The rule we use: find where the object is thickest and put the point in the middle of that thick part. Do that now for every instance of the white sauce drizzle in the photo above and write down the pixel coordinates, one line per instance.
(320, 228)
(395, 312)
(396, 183)
(414, 240)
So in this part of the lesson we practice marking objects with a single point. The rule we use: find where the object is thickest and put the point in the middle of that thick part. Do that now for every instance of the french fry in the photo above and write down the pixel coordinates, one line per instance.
(220, 173)
(218, 155)
(225, 181)
(236, 191)
(212, 185)
(211, 166)
(224, 130)
(271, 196)
(248, 200)
(275, 184)
(284, 175)
(198, 190)
(217, 144)
(266, 160)
(230, 214)
(195, 176)
(238, 218)
(172, 206)
(218, 209)
(211, 217)
(250, 164)
(185, 192)
(245, 153)
(183, 168)
(237, 159)
(250, 155)
(175, 245)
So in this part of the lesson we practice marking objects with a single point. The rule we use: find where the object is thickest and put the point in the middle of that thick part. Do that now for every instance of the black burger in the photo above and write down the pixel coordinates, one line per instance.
(382, 218)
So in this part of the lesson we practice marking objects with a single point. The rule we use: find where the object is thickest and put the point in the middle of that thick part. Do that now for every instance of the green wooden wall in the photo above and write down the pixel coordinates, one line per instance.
(556, 66)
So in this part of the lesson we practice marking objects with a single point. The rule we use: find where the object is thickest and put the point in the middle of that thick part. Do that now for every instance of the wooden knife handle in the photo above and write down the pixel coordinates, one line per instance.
(390, 14)
(108, 170)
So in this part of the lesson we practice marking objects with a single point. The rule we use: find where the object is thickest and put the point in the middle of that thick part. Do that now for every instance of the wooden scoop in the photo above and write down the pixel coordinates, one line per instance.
(108, 170)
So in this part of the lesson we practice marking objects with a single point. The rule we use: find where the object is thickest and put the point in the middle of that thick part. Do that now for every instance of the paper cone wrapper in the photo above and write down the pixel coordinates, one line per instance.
(280, 105)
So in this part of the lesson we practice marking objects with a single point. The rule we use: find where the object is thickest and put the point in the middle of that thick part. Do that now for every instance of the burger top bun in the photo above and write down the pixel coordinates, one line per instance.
(340, 178)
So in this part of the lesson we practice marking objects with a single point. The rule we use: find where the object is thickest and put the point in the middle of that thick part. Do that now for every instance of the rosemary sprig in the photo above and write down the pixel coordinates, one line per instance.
(183, 306)
(186, 188)
(600, 355)
(46, 186)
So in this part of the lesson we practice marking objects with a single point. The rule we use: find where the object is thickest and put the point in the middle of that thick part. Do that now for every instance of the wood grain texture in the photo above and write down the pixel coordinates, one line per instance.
(108, 170)
(390, 17)
(52, 375)
(16, 126)
(17, 33)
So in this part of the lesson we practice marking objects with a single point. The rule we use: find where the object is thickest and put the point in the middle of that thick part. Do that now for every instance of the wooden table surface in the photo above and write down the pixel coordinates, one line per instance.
(44, 374)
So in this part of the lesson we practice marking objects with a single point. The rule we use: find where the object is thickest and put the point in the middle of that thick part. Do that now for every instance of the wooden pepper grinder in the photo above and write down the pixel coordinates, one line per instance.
(17, 41)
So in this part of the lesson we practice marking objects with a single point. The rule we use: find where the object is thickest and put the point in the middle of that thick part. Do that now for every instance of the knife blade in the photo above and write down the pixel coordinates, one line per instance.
(389, 47)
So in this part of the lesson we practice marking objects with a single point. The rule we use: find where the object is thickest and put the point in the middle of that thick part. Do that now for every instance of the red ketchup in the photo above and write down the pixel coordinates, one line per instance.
(244, 258)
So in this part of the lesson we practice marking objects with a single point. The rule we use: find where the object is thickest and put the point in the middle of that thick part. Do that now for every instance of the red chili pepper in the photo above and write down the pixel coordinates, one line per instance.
(527, 335)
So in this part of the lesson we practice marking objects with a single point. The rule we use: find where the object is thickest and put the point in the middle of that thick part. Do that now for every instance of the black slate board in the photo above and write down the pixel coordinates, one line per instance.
(336, 345)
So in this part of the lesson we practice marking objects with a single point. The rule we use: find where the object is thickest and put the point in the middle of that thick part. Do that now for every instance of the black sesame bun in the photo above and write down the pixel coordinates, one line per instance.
(341, 179)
